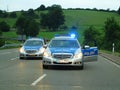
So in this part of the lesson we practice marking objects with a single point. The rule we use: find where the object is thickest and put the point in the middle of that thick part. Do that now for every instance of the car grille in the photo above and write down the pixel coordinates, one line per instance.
(62, 56)
(62, 63)
(31, 51)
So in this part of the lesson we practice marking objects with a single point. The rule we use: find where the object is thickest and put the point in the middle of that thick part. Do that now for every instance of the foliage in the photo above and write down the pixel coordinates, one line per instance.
(53, 19)
(112, 33)
(92, 37)
(41, 8)
(27, 26)
(30, 13)
(0, 33)
(32, 28)
(13, 15)
(2, 42)
(118, 11)
(20, 25)
(4, 27)
(3, 14)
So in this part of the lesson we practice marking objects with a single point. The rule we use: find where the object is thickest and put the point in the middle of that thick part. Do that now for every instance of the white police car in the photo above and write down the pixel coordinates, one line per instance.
(66, 51)
(32, 47)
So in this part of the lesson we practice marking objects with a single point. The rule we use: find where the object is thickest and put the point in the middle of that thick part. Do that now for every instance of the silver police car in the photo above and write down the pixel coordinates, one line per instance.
(33, 47)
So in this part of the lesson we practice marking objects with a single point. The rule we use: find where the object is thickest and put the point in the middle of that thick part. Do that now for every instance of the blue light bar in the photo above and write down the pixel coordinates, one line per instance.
(72, 35)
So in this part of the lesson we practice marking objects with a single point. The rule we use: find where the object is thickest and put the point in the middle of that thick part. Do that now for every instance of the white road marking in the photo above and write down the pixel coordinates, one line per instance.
(38, 80)
(118, 66)
(14, 58)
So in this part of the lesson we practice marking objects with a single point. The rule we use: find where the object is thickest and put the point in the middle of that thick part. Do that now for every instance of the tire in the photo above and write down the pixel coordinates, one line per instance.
(82, 67)
(21, 57)
(45, 67)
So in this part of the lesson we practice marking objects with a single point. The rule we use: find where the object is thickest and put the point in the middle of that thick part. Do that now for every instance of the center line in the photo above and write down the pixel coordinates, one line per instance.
(38, 80)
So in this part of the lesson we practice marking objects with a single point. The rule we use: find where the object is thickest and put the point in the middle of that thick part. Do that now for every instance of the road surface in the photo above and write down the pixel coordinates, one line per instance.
(28, 74)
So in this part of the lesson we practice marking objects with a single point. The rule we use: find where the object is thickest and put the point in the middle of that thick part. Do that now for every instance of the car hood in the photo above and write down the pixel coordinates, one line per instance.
(32, 47)
(63, 50)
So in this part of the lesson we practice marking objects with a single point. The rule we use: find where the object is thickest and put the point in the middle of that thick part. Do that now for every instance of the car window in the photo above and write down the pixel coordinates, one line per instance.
(64, 43)
(33, 43)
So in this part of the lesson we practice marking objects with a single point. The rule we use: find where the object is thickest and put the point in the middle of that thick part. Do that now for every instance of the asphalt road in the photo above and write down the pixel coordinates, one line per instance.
(28, 74)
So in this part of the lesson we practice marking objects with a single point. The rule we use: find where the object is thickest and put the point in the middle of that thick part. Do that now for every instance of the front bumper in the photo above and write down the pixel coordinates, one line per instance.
(34, 55)
(63, 62)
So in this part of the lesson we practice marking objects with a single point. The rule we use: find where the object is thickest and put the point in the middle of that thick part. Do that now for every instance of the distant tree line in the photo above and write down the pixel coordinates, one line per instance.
(4, 14)
(94, 9)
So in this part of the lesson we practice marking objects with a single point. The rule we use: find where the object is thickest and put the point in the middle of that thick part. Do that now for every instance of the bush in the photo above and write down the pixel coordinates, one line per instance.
(2, 42)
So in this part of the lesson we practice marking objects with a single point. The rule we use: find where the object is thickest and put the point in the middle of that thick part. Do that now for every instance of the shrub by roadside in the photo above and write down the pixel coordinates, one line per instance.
(2, 42)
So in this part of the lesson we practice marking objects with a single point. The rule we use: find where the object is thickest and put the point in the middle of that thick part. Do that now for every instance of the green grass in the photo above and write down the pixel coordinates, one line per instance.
(11, 34)
(110, 52)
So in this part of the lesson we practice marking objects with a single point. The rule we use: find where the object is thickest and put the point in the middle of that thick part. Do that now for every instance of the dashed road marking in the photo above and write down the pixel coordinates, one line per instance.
(38, 80)
(14, 58)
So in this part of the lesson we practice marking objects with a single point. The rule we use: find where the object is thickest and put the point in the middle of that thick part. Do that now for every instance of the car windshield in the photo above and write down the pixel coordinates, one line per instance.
(33, 43)
(64, 43)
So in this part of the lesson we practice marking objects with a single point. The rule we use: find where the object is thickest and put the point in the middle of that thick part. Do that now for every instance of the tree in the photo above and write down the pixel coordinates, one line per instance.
(44, 20)
(20, 25)
(112, 33)
(53, 19)
(13, 15)
(0, 33)
(3, 14)
(32, 28)
(29, 14)
(27, 26)
(4, 27)
(41, 8)
(118, 11)
(92, 36)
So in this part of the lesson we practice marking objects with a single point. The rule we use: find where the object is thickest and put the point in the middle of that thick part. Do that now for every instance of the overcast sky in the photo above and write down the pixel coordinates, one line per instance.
(15, 5)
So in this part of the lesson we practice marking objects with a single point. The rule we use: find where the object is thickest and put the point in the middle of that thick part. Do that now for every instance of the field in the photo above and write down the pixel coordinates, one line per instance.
(82, 19)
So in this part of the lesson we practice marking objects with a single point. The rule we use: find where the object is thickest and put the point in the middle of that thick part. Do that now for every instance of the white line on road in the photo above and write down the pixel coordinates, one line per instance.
(38, 80)
(118, 66)
(14, 58)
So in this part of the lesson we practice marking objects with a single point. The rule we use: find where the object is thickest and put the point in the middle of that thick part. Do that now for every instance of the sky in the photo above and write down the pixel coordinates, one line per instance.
(18, 5)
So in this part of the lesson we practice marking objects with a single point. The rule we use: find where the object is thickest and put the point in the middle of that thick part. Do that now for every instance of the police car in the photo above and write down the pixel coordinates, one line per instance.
(32, 47)
(67, 51)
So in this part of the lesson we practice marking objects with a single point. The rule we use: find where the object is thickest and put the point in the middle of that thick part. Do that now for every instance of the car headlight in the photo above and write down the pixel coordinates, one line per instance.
(78, 55)
(47, 53)
(22, 50)
(42, 50)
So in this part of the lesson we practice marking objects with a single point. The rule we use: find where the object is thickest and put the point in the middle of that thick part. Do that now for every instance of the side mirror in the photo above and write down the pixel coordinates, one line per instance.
(86, 47)
(44, 46)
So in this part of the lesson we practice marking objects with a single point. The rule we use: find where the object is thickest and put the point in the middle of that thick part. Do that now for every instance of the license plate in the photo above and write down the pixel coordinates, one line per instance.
(63, 61)
(31, 54)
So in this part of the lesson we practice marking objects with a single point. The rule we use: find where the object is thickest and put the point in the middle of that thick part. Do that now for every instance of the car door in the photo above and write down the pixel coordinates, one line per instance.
(90, 54)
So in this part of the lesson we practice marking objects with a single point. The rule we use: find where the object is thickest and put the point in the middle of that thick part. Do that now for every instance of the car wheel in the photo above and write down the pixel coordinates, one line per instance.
(45, 67)
(82, 67)
(21, 58)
